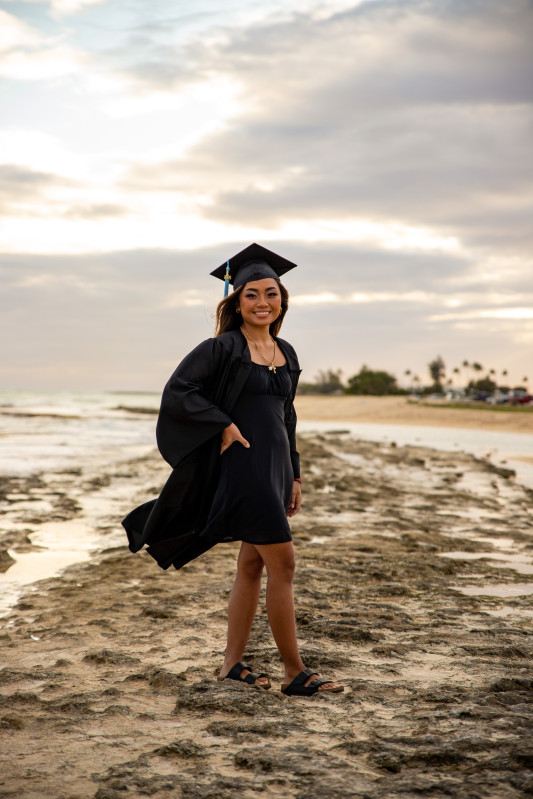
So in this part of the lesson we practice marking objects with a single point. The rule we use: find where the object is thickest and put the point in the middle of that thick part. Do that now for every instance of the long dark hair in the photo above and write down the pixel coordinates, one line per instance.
(227, 317)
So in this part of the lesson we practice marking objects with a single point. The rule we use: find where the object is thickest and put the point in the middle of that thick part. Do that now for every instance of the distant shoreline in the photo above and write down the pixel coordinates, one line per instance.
(397, 410)
(474, 406)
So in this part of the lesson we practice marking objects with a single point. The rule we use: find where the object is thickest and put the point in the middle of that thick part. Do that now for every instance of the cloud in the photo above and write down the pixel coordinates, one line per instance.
(23, 190)
(96, 211)
(387, 123)
(493, 313)
(388, 112)
(384, 146)
(131, 315)
(28, 55)
(64, 7)
(15, 33)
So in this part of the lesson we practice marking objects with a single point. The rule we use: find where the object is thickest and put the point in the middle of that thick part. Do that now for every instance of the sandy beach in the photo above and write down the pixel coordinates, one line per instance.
(396, 410)
(413, 587)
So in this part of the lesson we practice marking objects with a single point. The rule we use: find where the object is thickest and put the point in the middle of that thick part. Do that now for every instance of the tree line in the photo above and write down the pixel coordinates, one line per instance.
(470, 376)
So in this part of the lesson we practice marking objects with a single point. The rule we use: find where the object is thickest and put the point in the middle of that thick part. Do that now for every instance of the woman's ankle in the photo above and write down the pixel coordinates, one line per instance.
(292, 670)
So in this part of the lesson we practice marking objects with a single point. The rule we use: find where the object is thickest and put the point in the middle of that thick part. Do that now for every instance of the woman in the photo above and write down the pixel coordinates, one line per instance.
(227, 427)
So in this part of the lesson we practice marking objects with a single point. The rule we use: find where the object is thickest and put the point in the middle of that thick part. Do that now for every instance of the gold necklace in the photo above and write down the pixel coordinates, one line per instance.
(271, 367)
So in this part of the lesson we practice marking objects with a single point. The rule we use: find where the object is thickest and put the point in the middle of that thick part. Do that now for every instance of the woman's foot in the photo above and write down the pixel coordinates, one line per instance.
(308, 683)
(242, 673)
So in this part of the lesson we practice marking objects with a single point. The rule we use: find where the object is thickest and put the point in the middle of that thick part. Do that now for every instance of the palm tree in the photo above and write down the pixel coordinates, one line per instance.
(456, 371)
(466, 365)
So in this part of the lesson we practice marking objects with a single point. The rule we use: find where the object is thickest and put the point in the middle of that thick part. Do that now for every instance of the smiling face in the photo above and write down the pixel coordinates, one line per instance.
(260, 302)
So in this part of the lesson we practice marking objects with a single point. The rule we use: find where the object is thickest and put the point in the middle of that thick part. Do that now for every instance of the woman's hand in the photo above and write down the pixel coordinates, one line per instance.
(231, 434)
(296, 499)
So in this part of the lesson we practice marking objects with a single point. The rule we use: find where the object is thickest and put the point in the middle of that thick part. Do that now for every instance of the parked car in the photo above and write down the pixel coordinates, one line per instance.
(523, 399)
(482, 396)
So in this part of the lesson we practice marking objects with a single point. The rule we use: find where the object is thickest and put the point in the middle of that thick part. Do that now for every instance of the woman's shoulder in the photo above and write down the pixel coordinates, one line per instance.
(230, 337)
(223, 341)
(289, 351)
(225, 345)
(286, 346)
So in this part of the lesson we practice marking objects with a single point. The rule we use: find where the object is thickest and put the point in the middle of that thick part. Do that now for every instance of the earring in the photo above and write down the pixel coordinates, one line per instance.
(238, 310)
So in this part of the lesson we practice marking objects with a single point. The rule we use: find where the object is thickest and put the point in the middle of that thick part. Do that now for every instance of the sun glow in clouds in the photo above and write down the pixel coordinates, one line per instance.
(162, 220)
(152, 127)
(493, 313)
(359, 298)
(388, 235)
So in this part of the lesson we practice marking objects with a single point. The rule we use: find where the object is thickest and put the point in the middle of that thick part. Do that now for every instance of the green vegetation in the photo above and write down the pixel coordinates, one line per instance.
(378, 383)
(465, 381)
(328, 382)
(437, 370)
(485, 384)
(480, 406)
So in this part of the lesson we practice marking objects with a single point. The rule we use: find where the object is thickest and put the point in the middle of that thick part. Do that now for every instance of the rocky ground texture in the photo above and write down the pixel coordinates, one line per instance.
(412, 584)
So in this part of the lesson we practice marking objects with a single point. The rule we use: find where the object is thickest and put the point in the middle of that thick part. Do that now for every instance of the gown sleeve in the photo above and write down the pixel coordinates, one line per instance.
(290, 424)
(290, 412)
(187, 417)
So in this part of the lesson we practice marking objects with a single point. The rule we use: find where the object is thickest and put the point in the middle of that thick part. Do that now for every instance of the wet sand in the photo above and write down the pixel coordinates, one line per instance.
(396, 410)
(413, 586)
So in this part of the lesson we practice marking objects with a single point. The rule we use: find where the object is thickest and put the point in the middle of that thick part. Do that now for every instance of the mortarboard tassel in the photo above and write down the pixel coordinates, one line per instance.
(227, 278)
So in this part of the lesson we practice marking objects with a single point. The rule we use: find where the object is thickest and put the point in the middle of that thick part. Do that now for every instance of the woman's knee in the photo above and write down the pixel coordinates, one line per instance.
(250, 564)
(282, 569)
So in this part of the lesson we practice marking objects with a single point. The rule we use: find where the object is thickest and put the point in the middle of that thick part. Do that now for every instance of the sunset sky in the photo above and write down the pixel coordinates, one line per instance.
(386, 147)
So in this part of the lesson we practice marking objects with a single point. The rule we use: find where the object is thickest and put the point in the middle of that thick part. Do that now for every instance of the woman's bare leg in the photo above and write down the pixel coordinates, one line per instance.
(279, 561)
(242, 607)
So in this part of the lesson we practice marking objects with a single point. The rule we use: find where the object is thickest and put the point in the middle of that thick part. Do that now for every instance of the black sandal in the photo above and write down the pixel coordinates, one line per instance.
(251, 679)
(298, 687)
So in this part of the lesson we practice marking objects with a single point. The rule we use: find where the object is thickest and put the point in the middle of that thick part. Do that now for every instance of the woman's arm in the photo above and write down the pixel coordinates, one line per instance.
(230, 435)
(187, 418)
(290, 424)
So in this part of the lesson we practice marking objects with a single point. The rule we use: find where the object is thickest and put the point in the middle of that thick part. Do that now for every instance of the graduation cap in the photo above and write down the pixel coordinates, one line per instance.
(253, 263)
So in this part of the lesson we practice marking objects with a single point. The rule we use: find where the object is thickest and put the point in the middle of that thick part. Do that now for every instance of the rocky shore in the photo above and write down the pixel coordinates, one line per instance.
(413, 588)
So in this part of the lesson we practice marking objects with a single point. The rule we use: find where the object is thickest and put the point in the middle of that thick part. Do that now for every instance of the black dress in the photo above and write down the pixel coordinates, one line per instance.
(255, 485)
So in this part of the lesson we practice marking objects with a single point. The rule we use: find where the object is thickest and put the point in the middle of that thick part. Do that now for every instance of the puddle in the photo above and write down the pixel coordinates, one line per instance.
(62, 544)
(499, 589)
(507, 610)
(498, 542)
(513, 450)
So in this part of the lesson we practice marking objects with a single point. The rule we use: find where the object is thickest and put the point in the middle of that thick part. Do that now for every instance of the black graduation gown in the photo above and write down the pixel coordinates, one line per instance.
(195, 408)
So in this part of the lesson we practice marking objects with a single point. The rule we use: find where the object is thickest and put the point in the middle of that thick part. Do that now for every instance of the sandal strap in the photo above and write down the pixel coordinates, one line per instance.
(235, 672)
(303, 676)
(252, 678)
(317, 683)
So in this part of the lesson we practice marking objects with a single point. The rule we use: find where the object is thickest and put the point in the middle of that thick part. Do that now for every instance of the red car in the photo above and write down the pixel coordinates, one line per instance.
(524, 400)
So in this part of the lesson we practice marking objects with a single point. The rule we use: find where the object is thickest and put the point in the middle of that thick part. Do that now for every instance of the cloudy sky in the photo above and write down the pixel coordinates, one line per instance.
(385, 146)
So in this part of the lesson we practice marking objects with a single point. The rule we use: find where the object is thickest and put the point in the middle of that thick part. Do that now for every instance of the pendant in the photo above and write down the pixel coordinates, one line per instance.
(272, 368)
